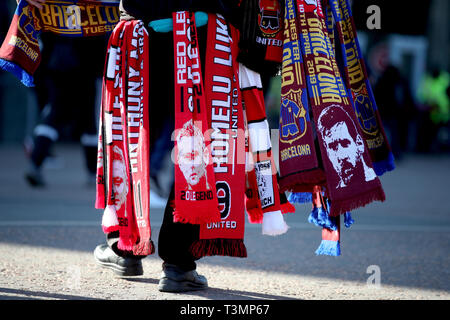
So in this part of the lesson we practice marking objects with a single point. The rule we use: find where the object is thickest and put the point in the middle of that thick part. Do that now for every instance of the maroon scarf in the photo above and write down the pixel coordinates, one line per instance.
(351, 181)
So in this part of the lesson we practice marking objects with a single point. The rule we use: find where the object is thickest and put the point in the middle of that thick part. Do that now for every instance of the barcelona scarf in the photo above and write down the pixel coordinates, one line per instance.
(350, 179)
(20, 53)
(123, 186)
(357, 82)
(300, 169)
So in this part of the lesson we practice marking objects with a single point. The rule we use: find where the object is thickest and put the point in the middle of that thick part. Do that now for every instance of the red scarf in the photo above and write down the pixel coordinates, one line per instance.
(123, 172)
(195, 189)
(263, 195)
(226, 122)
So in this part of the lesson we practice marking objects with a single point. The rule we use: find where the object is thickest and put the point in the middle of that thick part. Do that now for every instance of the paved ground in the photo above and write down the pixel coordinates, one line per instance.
(47, 238)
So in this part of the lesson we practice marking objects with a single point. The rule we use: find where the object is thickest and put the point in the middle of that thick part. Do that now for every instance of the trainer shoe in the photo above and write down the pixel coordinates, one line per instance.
(122, 266)
(174, 279)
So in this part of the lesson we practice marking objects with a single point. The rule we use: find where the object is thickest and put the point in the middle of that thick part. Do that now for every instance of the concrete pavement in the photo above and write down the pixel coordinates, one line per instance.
(398, 249)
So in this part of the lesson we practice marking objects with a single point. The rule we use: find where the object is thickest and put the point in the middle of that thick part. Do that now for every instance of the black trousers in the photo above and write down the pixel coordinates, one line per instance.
(174, 238)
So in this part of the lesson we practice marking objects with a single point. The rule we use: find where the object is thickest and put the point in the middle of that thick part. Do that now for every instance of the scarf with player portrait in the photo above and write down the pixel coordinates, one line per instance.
(358, 84)
(20, 52)
(351, 181)
(195, 188)
(123, 150)
(225, 123)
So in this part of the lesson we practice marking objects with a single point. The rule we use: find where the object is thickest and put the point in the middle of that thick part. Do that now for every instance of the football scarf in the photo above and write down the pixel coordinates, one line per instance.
(123, 159)
(226, 123)
(299, 167)
(351, 181)
(357, 82)
(260, 159)
(261, 35)
(20, 53)
(195, 189)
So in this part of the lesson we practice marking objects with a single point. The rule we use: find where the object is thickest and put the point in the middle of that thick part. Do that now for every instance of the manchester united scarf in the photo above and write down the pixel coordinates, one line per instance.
(226, 123)
(195, 189)
(351, 181)
(123, 159)
(357, 82)
(261, 35)
(263, 197)
(20, 53)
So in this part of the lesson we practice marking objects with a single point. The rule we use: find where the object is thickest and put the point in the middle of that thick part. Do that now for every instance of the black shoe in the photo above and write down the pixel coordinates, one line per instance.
(174, 279)
(122, 266)
(35, 179)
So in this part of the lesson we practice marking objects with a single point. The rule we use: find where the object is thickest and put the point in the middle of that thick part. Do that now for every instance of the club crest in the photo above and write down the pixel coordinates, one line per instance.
(293, 122)
(269, 17)
(29, 25)
(364, 112)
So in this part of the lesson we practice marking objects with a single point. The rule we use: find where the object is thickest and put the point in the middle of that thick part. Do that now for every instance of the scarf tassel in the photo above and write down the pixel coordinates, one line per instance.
(255, 215)
(125, 244)
(319, 216)
(287, 207)
(300, 197)
(144, 248)
(219, 247)
(330, 244)
(110, 222)
(348, 220)
(329, 248)
(274, 224)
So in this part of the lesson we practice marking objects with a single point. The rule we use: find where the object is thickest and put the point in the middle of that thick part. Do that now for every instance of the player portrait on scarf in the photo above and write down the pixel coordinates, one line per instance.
(344, 145)
(192, 155)
(120, 181)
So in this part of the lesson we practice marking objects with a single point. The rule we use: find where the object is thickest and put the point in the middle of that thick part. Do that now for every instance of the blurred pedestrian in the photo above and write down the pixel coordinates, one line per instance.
(67, 64)
(396, 107)
(433, 94)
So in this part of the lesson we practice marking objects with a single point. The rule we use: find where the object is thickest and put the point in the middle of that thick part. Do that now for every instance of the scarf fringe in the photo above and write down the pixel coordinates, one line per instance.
(274, 224)
(329, 248)
(144, 248)
(308, 178)
(300, 197)
(342, 206)
(384, 166)
(219, 247)
(348, 220)
(125, 244)
(321, 218)
(255, 215)
(287, 207)
(17, 71)
(110, 222)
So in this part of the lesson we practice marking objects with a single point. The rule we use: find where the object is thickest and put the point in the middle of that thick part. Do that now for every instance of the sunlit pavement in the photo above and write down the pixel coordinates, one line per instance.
(398, 249)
